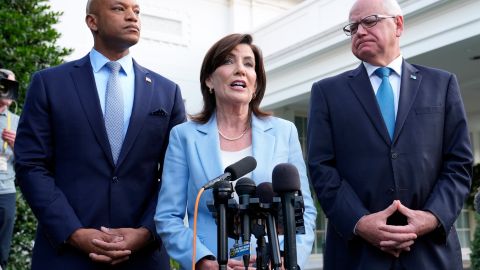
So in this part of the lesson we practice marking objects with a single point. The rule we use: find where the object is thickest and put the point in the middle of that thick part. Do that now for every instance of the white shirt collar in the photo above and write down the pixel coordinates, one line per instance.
(395, 65)
(98, 61)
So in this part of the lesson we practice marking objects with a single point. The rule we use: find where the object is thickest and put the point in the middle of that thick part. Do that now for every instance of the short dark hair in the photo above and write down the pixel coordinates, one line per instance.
(214, 58)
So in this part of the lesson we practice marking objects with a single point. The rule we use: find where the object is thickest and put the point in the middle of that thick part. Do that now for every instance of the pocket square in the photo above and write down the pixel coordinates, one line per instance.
(159, 112)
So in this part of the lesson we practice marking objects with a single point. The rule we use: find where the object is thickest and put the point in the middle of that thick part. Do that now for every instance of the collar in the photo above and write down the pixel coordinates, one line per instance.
(395, 65)
(5, 112)
(98, 61)
(260, 124)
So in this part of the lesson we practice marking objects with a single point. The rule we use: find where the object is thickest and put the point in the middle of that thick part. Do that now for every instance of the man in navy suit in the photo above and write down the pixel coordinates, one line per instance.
(95, 205)
(389, 155)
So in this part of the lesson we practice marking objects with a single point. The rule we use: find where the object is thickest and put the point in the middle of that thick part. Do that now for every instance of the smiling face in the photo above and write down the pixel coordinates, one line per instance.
(115, 25)
(380, 44)
(234, 81)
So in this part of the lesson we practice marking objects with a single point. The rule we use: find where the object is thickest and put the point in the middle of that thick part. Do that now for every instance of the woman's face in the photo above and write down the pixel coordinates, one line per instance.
(234, 82)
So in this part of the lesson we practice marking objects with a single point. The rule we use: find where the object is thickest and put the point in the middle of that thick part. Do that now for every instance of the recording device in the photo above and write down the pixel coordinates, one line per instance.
(245, 189)
(8, 88)
(286, 182)
(260, 212)
(222, 193)
(234, 171)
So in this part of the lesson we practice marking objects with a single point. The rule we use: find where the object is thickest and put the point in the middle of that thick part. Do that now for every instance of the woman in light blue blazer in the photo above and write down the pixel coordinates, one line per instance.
(229, 127)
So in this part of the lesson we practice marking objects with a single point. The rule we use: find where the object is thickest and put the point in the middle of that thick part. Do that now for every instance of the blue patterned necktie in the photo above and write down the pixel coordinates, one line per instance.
(114, 110)
(385, 99)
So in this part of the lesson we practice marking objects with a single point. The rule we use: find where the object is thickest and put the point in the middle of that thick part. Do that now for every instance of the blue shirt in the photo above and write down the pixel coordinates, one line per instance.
(7, 179)
(127, 78)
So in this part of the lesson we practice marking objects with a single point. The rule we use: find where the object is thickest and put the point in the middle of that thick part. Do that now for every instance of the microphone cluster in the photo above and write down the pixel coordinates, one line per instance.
(265, 211)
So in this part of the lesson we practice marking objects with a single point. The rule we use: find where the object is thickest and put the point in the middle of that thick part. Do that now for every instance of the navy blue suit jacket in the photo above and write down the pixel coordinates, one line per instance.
(357, 169)
(65, 168)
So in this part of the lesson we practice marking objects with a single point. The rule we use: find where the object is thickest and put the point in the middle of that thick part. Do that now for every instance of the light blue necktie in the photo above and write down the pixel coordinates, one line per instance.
(114, 110)
(385, 99)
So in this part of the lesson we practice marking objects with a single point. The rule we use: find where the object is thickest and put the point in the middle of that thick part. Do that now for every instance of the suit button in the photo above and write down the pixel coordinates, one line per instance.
(115, 179)
(394, 155)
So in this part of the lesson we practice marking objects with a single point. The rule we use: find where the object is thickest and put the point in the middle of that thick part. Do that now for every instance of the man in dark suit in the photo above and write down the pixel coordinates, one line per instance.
(389, 155)
(90, 148)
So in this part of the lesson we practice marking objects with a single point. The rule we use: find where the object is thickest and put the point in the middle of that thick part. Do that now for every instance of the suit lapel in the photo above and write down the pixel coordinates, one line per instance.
(263, 145)
(409, 86)
(140, 110)
(362, 88)
(209, 156)
(88, 96)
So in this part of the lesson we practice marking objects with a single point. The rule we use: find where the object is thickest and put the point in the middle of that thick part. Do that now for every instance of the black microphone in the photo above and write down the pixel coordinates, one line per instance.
(234, 171)
(245, 188)
(266, 195)
(222, 192)
(286, 182)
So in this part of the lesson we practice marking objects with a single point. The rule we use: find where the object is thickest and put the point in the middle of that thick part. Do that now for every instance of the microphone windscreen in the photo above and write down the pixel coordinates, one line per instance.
(265, 192)
(241, 167)
(245, 186)
(222, 191)
(285, 178)
(222, 185)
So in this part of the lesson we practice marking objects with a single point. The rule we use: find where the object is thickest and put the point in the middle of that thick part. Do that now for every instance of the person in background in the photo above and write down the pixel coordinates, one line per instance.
(230, 127)
(90, 147)
(389, 153)
(8, 127)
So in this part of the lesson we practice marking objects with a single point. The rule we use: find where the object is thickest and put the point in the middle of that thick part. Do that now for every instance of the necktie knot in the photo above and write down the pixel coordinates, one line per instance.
(383, 72)
(114, 66)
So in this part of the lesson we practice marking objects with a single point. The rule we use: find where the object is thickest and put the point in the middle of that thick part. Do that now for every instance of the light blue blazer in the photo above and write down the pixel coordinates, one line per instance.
(193, 158)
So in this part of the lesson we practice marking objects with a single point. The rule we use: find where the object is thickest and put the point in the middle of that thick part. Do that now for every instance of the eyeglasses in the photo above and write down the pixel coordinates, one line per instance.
(367, 22)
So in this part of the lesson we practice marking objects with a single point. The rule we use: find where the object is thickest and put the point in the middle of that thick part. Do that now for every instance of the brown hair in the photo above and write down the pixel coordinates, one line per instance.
(214, 58)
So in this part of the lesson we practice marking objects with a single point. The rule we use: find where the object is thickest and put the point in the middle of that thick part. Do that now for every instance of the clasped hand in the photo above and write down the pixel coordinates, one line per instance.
(391, 238)
(107, 245)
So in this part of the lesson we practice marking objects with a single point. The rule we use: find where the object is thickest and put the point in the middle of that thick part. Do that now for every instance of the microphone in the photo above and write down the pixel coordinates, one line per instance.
(266, 195)
(234, 171)
(245, 188)
(222, 192)
(286, 182)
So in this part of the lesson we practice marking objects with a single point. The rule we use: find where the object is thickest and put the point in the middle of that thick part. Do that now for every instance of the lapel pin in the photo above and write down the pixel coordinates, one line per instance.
(148, 79)
(413, 77)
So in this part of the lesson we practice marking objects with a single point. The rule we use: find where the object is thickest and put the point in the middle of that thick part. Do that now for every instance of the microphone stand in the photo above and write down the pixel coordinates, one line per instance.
(273, 242)
(222, 191)
(258, 230)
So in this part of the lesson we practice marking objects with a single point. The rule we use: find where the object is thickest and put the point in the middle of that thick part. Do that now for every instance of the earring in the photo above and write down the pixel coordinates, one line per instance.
(210, 90)
(254, 95)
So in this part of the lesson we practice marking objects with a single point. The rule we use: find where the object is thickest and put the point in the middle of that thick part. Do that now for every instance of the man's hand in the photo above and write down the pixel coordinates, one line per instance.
(420, 222)
(372, 229)
(134, 239)
(9, 137)
(131, 240)
(84, 239)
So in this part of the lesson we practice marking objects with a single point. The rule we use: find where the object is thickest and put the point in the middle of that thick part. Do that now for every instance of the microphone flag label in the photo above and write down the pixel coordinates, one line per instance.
(238, 250)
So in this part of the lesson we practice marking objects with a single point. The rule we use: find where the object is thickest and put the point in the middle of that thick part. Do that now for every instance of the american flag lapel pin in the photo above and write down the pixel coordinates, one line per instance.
(148, 79)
